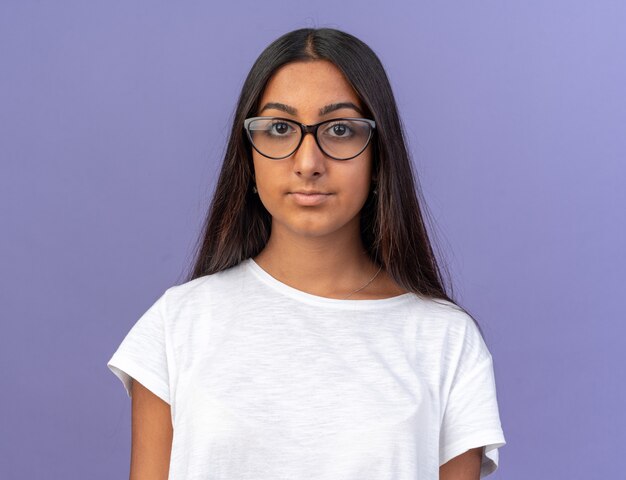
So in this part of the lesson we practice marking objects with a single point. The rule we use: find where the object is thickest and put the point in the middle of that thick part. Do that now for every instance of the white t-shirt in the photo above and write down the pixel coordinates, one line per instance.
(268, 382)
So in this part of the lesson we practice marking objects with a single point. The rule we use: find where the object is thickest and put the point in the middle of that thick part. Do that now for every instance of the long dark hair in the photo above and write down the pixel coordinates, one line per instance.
(237, 225)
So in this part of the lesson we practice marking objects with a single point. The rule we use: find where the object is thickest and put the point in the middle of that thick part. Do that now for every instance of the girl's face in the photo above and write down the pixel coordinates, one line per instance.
(305, 88)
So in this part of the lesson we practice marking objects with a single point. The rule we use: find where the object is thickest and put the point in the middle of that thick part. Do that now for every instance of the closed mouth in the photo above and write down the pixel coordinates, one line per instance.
(312, 193)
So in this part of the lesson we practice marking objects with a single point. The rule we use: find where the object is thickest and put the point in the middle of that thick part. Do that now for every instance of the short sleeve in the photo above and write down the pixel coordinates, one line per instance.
(142, 354)
(471, 417)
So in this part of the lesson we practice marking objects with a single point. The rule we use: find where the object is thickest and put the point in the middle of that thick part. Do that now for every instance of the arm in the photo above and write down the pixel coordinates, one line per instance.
(151, 435)
(463, 467)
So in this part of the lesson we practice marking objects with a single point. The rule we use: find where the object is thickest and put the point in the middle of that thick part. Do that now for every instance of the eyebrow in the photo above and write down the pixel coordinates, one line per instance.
(322, 111)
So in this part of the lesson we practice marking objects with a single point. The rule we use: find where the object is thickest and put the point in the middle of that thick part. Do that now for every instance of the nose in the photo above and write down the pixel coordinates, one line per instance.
(309, 160)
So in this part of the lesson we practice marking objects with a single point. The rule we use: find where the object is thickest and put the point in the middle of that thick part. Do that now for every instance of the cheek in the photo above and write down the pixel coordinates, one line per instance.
(351, 188)
(270, 189)
(358, 183)
(264, 177)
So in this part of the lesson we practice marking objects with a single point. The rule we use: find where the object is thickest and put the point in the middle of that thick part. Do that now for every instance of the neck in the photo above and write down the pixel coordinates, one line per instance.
(330, 266)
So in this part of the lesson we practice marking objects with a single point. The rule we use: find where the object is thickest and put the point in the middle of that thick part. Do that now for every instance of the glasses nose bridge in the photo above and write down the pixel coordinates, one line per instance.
(312, 129)
(309, 129)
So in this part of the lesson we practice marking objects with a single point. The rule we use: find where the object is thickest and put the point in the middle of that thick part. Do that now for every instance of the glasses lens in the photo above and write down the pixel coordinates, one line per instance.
(344, 138)
(274, 137)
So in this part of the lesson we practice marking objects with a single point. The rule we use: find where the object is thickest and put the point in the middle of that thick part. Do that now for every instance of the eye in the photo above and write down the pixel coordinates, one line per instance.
(280, 129)
(339, 130)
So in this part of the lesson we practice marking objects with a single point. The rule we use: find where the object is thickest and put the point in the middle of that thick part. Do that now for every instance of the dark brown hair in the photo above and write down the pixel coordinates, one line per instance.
(237, 225)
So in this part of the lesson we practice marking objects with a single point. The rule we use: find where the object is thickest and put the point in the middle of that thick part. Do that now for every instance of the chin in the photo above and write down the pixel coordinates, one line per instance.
(312, 230)
(318, 227)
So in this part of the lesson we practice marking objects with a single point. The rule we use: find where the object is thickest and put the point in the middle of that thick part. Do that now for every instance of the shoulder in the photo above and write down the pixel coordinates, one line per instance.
(448, 332)
(445, 316)
(461, 329)
(464, 351)
(205, 290)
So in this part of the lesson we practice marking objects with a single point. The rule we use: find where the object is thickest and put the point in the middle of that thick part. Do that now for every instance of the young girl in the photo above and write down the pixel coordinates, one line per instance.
(314, 338)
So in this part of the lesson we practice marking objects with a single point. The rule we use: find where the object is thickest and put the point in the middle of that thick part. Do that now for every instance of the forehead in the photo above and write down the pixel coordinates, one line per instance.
(309, 84)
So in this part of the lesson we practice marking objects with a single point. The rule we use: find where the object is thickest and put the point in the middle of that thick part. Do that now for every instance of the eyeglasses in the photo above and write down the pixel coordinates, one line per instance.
(339, 138)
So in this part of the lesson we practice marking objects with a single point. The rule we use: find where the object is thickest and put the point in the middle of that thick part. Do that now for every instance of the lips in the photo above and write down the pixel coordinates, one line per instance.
(309, 199)
(311, 192)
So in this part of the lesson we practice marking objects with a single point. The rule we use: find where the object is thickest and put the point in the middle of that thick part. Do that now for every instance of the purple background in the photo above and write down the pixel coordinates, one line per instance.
(114, 117)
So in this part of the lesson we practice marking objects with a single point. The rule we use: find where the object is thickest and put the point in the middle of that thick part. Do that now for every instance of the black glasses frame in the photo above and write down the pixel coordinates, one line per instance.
(308, 129)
